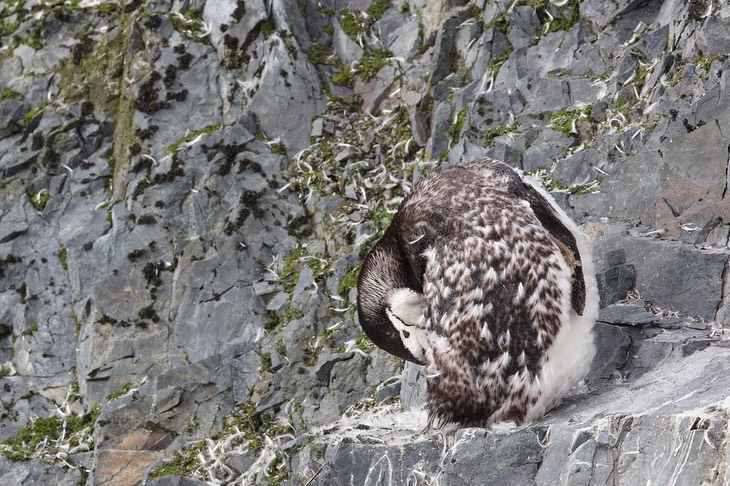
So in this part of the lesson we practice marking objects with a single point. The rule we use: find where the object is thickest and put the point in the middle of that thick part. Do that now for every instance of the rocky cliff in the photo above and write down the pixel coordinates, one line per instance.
(188, 189)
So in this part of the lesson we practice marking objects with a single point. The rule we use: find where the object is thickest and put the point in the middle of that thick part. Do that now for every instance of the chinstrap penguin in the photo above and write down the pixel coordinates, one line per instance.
(485, 280)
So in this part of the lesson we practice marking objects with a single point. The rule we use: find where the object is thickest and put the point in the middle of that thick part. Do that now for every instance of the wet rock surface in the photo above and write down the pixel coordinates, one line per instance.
(188, 189)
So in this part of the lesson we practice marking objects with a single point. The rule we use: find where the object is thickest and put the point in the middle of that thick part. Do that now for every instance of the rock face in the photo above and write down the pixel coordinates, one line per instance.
(188, 189)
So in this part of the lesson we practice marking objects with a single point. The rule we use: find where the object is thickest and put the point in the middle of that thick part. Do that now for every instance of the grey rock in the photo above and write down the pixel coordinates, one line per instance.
(175, 481)
(523, 25)
(560, 98)
(317, 127)
(388, 392)
(263, 288)
(613, 347)
(571, 441)
(445, 48)
(446, 87)
(544, 148)
(11, 116)
(194, 82)
(413, 387)
(440, 140)
(603, 12)
(370, 465)
(653, 43)
(288, 110)
(36, 473)
(671, 273)
(13, 227)
(39, 61)
(291, 20)
(374, 91)
(347, 49)
(711, 40)
(616, 279)
(475, 457)
(221, 12)
(403, 39)
(629, 315)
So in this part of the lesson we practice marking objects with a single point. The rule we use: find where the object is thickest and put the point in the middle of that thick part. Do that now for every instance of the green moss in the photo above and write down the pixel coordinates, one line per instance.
(194, 14)
(266, 363)
(205, 131)
(319, 54)
(364, 343)
(44, 433)
(190, 24)
(561, 19)
(4, 370)
(75, 387)
(349, 281)
(301, 257)
(267, 28)
(39, 199)
(101, 78)
(624, 107)
(378, 8)
(372, 62)
(277, 148)
(496, 62)
(497, 131)
(281, 320)
(458, 124)
(62, 256)
(7, 28)
(677, 78)
(500, 21)
(581, 189)
(141, 187)
(32, 435)
(126, 388)
(183, 463)
(352, 24)
(33, 112)
(108, 8)
(576, 189)
(641, 73)
(244, 427)
(649, 126)
(34, 39)
(345, 78)
(403, 131)
(9, 94)
(32, 329)
(705, 62)
(564, 120)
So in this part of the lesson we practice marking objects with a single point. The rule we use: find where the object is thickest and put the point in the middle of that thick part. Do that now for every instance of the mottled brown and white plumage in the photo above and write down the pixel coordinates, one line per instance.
(486, 281)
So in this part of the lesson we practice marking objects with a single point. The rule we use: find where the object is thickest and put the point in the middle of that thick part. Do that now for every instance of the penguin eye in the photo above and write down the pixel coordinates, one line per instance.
(406, 334)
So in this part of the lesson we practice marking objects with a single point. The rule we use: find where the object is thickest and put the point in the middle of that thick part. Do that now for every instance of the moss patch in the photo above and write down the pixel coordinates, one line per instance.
(62, 257)
(497, 131)
(204, 132)
(39, 199)
(371, 63)
(42, 437)
(349, 281)
(126, 388)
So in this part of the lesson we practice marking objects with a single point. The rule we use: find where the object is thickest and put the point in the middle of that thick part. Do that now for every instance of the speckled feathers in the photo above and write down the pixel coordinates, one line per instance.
(502, 272)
